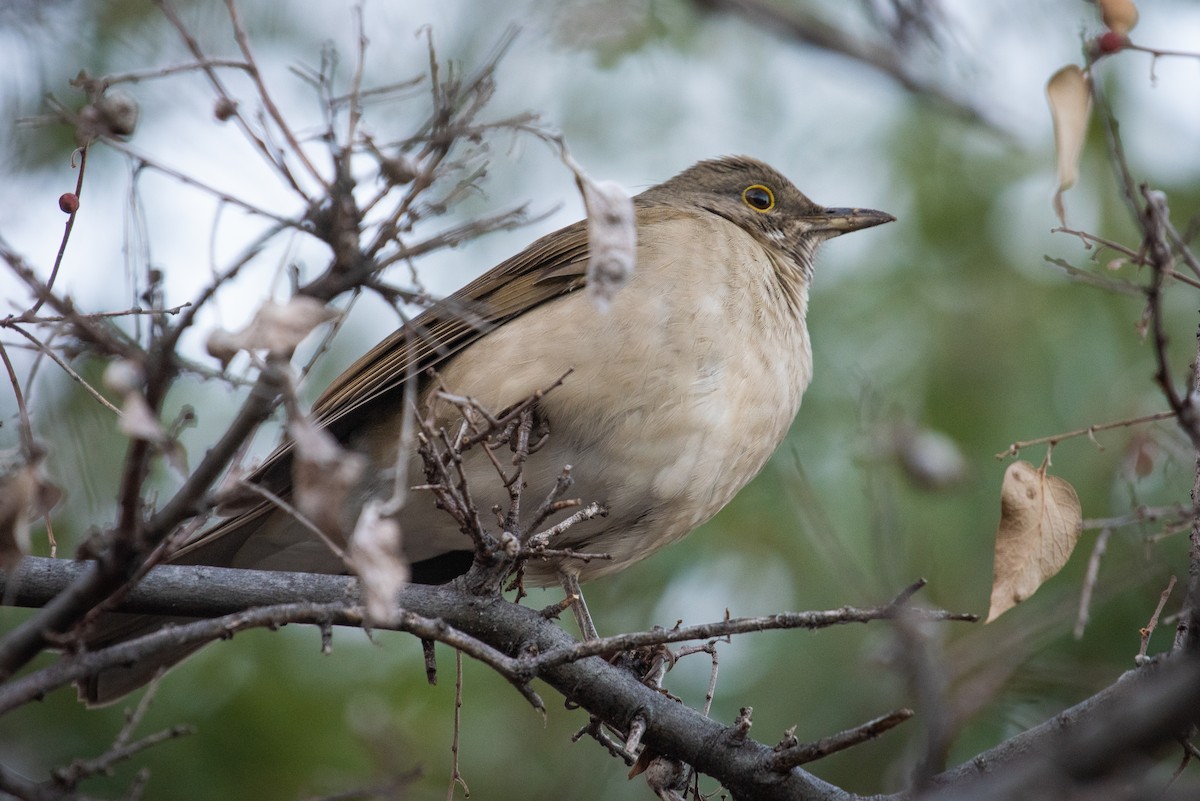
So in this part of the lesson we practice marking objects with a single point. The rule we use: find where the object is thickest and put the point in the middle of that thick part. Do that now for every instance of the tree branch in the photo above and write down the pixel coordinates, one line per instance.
(1098, 737)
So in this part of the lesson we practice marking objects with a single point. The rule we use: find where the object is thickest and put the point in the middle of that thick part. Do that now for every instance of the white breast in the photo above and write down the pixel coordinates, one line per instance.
(678, 395)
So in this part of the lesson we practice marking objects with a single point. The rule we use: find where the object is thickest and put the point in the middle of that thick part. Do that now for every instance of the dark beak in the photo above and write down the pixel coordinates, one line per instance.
(843, 221)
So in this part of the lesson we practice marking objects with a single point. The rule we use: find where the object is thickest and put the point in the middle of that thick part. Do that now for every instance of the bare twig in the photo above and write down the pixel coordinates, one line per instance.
(1089, 581)
(49, 352)
(243, 42)
(208, 67)
(787, 758)
(70, 225)
(299, 517)
(723, 628)
(28, 446)
(122, 748)
(1149, 628)
(75, 667)
(1053, 439)
(456, 777)
(137, 76)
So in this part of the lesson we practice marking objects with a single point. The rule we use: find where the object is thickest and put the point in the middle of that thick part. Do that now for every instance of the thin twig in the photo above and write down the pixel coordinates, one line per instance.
(70, 225)
(741, 625)
(796, 755)
(299, 517)
(1053, 439)
(28, 448)
(1089, 581)
(207, 66)
(122, 748)
(243, 43)
(456, 777)
(1149, 628)
(68, 369)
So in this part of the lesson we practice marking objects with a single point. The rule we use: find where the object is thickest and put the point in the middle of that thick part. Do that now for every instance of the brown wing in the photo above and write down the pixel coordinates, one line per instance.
(552, 266)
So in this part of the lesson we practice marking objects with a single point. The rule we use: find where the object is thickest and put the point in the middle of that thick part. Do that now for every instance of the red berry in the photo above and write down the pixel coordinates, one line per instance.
(68, 202)
(1111, 42)
(224, 109)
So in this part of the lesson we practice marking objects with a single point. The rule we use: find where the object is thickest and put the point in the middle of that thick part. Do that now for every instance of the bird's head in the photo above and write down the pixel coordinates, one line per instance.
(759, 199)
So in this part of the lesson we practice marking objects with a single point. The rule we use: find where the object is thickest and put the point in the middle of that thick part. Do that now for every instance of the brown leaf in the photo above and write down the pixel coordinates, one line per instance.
(323, 476)
(1119, 15)
(276, 328)
(1040, 522)
(25, 495)
(375, 556)
(1070, 100)
(16, 505)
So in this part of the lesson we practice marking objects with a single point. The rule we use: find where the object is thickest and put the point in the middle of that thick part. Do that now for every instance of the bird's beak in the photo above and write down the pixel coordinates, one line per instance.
(843, 221)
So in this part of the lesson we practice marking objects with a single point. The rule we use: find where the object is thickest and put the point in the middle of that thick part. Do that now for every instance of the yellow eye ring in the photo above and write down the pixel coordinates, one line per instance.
(759, 198)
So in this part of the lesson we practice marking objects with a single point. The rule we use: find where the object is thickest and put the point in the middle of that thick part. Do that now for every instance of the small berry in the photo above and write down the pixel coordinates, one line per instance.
(225, 109)
(1111, 42)
(68, 202)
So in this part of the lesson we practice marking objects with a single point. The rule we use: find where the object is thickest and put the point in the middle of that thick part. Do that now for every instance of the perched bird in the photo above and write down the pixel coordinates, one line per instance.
(676, 397)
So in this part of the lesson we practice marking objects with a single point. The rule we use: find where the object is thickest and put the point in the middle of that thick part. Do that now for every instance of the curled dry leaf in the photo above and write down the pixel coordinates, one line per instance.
(323, 475)
(1118, 15)
(138, 420)
(25, 495)
(118, 112)
(1070, 107)
(113, 113)
(276, 328)
(16, 506)
(375, 557)
(1040, 522)
(612, 238)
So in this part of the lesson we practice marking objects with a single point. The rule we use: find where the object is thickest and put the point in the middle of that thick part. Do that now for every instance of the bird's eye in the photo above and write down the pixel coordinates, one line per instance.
(758, 197)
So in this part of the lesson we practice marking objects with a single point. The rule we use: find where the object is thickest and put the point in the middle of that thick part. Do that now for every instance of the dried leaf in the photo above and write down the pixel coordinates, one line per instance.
(375, 556)
(176, 456)
(25, 495)
(1120, 16)
(612, 239)
(1040, 522)
(323, 476)
(1070, 107)
(17, 488)
(276, 328)
(138, 420)
(222, 345)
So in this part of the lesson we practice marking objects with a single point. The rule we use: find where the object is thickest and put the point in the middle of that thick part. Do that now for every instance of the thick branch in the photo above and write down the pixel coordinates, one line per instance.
(1098, 737)
(96, 582)
(610, 693)
(1112, 732)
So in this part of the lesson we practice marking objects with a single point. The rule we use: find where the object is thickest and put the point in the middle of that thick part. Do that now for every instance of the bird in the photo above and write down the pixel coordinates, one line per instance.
(674, 397)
